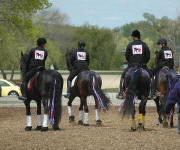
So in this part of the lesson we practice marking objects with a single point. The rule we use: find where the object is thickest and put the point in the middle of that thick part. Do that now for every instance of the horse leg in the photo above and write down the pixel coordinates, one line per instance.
(70, 112)
(165, 123)
(80, 122)
(86, 111)
(45, 119)
(28, 115)
(142, 112)
(39, 118)
(133, 125)
(98, 121)
(158, 106)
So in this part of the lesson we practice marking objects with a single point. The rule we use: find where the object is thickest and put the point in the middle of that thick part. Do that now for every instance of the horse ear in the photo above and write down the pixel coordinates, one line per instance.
(22, 54)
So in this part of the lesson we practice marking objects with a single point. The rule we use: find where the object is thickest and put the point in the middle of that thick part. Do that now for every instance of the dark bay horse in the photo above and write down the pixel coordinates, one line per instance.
(87, 83)
(46, 88)
(137, 84)
(164, 80)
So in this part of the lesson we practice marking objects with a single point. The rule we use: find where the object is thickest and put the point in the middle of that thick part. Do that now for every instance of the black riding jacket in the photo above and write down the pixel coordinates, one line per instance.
(37, 57)
(137, 52)
(80, 59)
(164, 57)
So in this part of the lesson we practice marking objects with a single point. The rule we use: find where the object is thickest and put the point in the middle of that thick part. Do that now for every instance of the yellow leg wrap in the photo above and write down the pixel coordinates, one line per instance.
(143, 120)
(133, 124)
(140, 119)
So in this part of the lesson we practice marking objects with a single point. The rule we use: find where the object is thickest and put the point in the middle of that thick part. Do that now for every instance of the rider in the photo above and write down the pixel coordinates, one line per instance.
(137, 53)
(35, 62)
(164, 57)
(79, 61)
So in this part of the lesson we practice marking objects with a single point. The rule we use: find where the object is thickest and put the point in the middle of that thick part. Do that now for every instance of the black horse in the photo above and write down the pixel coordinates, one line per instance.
(46, 87)
(87, 83)
(164, 80)
(137, 85)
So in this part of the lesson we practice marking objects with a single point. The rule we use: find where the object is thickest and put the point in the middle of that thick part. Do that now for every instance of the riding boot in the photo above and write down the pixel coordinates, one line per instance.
(24, 91)
(68, 89)
(120, 94)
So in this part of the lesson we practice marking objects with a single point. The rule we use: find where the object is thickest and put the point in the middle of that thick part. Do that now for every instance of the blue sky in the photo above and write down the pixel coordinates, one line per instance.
(113, 13)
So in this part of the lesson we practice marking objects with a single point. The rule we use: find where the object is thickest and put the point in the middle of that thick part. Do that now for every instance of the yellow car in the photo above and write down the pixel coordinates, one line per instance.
(8, 88)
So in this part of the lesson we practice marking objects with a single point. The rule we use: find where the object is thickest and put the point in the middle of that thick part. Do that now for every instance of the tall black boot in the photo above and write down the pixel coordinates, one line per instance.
(23, 91)
(68, 89)
(120, 94)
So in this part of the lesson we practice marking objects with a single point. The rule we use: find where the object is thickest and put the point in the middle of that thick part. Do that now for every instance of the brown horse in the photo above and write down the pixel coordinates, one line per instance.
(87, 83)
(164, 80)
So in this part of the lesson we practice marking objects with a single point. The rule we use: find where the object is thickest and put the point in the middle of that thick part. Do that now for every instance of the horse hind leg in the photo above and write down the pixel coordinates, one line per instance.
(86, 112)
(80, 122)
(142, 111)
(97, 114)
(39, 118)
(28, 116)
(69, 107)
(165, 122)
(45, 119)
(158, 106)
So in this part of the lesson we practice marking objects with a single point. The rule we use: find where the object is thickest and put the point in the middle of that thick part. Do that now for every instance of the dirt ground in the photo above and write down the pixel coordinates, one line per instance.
(113, 135)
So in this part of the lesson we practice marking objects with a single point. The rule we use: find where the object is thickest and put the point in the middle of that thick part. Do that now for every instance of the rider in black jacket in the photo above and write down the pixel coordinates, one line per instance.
(79, 61)
(137, 53)
(35, 62)
(164, 57)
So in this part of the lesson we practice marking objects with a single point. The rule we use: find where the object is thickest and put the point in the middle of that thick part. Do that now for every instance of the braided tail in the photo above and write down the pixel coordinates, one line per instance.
(95, 89)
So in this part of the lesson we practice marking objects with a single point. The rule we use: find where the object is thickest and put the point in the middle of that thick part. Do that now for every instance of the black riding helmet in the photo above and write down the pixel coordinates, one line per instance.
(41, 41)
(162, 41)
(81, 43)
(136, 33)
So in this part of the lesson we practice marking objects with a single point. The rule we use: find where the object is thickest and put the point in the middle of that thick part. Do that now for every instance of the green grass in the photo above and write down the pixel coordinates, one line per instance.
(111, 90)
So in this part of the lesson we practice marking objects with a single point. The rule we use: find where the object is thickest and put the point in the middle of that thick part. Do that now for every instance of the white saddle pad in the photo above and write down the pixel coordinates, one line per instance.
(73, 81)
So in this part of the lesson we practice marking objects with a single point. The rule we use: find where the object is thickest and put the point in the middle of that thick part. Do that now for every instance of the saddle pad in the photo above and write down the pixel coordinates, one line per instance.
(30, 83)
(73, 81)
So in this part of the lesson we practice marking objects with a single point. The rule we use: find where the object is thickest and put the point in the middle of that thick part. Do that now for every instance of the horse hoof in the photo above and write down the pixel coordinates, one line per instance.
(165, 124)
(44, 129)
(80, 122)
(56, 128)
(98, 122)
(86, 125)
(71, 119)
(38, 128)
(28, 128)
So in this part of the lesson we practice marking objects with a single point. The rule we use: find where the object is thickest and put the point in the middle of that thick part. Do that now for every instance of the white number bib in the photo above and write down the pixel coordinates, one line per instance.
(167, 54)
(39, 54)
(81, 55)
(137, 49)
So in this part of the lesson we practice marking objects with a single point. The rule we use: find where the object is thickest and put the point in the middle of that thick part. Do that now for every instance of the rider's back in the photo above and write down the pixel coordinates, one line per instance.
(137, 52)
(37, 57)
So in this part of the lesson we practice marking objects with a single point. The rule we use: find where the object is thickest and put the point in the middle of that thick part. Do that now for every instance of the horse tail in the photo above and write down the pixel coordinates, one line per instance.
(95, 89)
(55, 103)
(128, 107)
